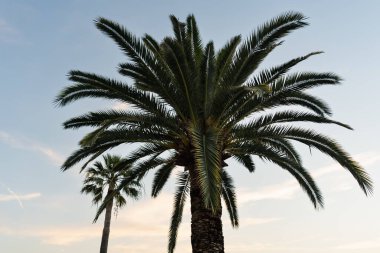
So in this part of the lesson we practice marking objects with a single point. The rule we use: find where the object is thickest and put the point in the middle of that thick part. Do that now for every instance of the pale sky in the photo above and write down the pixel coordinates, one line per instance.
(41, 208)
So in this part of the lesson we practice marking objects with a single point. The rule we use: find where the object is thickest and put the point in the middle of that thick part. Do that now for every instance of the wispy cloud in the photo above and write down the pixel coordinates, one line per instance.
(19, 198)
(154, 245)
(74, 234)
(342, 187)
(285, 190)
(290, 188)
(147, 218)
(144, 219)
(361, 245)
(365, 159)
(230, 247)
(14, 196)
(257, 221)
(32, 145)
(120, 106)
(53, 235)
(263, 247)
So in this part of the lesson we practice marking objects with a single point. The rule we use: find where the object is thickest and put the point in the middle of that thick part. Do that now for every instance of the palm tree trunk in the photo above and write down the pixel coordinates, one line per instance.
(206, 227)
(107, 224)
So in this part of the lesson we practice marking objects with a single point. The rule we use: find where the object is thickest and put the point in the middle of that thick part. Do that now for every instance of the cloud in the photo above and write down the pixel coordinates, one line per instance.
(342, 187)
(186, 248)
(260, 247)
(361, 245)
(53, 235)
(147, 219)
(144, 219)
(13, 196)
(257, 221)
(285, 190)
(27, 144)
(290, 188)
(120, 106)
(68, 235)
(365, 159)
(138, 247)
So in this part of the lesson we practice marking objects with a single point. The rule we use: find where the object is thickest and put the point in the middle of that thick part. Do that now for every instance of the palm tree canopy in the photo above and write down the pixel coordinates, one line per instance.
(101, 177)
(196, 107)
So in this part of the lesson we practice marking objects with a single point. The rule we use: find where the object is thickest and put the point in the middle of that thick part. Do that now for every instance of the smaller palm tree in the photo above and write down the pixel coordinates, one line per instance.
(105, 178)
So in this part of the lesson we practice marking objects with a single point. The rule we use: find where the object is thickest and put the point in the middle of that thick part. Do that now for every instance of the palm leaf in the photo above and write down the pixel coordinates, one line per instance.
(182, 191)
(229, 196)
(207, 165)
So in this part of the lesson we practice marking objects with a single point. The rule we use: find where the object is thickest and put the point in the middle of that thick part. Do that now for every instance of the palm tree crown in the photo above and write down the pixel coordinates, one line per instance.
(100, 178)
(197, 107)
(107, 179)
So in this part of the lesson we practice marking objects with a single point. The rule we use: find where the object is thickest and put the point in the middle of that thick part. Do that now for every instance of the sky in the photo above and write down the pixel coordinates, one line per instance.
(41, 208)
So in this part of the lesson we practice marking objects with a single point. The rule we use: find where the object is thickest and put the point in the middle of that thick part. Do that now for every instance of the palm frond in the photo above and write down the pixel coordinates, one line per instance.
(192, 34)
(92, 85)
(229, 196)
(161, 177)
(182, 191)
(225, 55)
(260, 44)
(303, 81)
(267, 76)
(207, 78)
(245, 160)
(207, 165)
(325, 145)
(295, 169)
(288, 98)
(85, 152)
(174, 55)
(109, 118)
(128, 43)
(286, 117)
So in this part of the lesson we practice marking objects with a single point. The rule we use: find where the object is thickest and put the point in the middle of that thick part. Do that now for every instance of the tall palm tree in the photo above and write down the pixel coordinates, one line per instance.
(196, 108)
(105, 178)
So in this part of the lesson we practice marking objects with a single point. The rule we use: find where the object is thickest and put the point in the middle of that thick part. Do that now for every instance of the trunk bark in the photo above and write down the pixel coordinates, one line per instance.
(107, 225)
(206, 227)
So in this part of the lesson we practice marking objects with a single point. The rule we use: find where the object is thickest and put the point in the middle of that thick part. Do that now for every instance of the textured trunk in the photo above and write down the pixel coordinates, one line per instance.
(206, 227)
(107, 224)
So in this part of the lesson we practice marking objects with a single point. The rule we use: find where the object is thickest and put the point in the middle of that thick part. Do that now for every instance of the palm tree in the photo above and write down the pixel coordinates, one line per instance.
(105, 178)
(196, 108)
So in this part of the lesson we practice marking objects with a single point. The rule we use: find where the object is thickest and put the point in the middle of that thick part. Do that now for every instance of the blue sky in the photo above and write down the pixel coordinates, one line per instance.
(41, 209)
